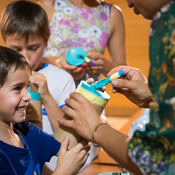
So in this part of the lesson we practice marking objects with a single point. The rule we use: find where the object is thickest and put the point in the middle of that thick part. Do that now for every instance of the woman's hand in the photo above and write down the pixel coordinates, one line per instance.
(76, 72)
(133, 85)
(83, 114)
(98, 59)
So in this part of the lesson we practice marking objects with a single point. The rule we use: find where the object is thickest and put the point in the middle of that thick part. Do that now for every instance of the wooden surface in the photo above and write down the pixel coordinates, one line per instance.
(104, 163)
(95, 169)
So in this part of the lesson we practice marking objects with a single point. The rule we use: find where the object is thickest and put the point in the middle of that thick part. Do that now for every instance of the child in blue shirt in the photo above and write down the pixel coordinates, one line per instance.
(24, 148)
(25, 29)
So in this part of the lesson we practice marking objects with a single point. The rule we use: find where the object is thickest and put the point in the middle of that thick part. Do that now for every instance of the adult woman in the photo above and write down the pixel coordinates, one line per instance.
(151, 151)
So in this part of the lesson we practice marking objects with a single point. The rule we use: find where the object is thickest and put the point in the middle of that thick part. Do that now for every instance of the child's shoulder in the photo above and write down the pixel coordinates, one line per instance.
(53, 71)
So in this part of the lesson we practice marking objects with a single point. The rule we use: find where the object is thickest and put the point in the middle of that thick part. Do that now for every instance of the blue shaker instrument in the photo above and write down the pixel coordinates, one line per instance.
(77, 56)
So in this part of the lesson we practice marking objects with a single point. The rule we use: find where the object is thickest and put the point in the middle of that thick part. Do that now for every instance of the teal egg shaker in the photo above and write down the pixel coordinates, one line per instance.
(77, 56)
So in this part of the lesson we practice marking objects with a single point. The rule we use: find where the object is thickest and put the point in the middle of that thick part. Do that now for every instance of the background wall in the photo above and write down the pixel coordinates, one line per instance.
(137, 30)
(137, 38)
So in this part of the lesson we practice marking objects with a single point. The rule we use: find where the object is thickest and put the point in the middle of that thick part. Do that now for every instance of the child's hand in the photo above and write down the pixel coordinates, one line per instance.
(39, 84)
(70, 161)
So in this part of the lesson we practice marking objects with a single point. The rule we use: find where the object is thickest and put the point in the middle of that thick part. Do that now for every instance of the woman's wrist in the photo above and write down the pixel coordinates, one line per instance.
(94, 134)
(146, 102)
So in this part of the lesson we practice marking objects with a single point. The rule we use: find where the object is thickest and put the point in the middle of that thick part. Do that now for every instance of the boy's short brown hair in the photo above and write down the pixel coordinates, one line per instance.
(25, 19)
(8, 59)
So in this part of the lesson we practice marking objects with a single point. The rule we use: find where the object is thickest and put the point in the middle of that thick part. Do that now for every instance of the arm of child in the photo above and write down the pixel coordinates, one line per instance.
(70, 161)
(39, 84)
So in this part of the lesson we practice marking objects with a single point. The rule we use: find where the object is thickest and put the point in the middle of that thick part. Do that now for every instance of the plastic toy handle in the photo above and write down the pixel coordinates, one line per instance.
(88, 60)
(117, 75)
(99, 84)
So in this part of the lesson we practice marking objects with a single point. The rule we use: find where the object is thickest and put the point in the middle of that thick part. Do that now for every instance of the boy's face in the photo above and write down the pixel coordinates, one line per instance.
(14, 96)
(32, 50)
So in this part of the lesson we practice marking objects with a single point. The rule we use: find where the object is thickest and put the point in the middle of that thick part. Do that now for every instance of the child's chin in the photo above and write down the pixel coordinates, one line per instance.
(21, 120)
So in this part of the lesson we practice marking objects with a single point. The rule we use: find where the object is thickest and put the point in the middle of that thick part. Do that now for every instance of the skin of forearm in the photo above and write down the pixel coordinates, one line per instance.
(53, 111)
(147, 101)
(109, 65)
(117, 146)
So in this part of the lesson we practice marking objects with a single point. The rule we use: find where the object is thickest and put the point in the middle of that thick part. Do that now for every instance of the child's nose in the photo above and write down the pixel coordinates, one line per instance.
(26, 96)
(25, 54)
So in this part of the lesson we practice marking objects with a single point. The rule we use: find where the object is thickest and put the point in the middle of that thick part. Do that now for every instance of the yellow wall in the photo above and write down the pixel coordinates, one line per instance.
(137, 30)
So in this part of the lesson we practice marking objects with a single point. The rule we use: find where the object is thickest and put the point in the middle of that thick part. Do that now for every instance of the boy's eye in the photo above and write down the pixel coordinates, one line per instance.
(18, 88)
(33, 48)
(17, 50)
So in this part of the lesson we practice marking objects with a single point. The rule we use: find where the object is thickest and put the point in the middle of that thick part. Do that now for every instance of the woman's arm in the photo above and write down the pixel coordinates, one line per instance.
(87, 122)
(48, 6)
(116, 46)
(116, 43)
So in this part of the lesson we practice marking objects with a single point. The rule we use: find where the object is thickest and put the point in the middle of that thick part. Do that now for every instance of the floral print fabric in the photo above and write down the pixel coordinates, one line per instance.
(72, 26)
(154, 149)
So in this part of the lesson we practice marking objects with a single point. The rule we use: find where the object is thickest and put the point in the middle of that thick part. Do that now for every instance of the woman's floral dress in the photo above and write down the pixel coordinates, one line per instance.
(72, 26)
(154, 149)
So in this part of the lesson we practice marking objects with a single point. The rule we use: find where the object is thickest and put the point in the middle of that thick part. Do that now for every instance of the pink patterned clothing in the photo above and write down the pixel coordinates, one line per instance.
(72, 26)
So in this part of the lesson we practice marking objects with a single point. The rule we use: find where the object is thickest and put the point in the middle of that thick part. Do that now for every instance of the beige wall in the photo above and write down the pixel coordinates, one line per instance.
(137, 30)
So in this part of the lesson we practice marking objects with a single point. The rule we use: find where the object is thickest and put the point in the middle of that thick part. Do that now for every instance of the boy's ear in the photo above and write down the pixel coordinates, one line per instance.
(46, 42)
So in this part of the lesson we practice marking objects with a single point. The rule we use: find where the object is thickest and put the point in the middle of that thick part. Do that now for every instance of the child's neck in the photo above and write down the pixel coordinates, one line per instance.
(40, 67)
(8, 135)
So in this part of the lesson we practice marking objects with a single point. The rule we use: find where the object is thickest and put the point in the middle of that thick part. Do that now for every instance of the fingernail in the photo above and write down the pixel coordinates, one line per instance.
(81, 68)
(114, 91)
(84, 65)
(76, 68)
(115, 82)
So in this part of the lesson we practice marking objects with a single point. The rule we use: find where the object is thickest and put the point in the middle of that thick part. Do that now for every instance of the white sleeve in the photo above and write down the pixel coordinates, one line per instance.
(60, 83)
(69, 87)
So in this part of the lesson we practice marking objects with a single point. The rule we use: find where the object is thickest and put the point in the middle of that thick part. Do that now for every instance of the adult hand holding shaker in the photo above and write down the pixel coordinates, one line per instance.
(96, 96)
